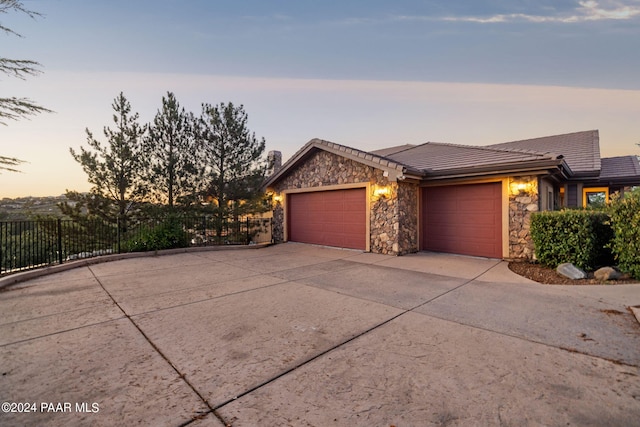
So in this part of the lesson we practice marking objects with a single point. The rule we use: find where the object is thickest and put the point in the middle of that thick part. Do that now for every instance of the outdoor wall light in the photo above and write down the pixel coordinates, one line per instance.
(277, 198)
(518, 187)
(382, 191)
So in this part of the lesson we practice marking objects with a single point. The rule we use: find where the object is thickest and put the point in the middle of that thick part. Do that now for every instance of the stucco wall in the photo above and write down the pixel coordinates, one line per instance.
(393, 216)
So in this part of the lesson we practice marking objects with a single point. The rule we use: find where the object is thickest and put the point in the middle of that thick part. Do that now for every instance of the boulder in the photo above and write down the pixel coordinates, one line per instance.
(607, 273)
(571, 271)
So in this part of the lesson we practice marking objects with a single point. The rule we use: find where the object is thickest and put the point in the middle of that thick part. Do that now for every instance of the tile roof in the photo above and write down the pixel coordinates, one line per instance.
(434, 157)
(581, 150)
(620, 167)
(392, 150)
(578, 154)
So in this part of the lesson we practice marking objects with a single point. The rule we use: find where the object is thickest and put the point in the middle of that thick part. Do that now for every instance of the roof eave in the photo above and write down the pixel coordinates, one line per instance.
(621, 180)
(531, 167)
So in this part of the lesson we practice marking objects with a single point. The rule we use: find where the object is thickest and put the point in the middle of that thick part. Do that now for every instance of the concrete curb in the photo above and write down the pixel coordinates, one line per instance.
(14, 278)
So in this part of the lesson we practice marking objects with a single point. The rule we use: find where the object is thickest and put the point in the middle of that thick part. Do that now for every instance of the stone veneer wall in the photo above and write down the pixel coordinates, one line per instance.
(386, 213)
(277, 223)
(384, 223)
(521, 205)
(408, 217)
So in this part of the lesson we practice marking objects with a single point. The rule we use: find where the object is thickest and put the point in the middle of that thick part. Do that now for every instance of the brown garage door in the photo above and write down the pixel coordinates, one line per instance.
(332, 218)
(463, 219)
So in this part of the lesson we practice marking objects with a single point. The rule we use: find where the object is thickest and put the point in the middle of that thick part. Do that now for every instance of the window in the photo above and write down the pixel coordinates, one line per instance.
(594, 197)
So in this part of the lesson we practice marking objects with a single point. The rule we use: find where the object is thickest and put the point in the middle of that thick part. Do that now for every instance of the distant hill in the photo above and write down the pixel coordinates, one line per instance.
(28, 208)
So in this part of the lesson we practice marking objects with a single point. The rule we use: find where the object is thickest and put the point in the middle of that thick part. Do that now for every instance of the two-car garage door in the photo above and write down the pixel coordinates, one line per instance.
(332, 218)
(463, 219)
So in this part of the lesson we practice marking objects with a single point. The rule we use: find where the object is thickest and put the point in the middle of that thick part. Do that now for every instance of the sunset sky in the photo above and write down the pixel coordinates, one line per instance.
(364, 73)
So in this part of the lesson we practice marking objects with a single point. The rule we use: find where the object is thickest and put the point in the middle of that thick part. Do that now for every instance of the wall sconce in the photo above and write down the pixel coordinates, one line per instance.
(277, 198)
(381, 192)
(518, 187)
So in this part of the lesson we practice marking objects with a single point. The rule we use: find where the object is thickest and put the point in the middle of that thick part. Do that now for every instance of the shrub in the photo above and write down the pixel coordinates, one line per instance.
(168, 234)
(578, 237)
(625, 221)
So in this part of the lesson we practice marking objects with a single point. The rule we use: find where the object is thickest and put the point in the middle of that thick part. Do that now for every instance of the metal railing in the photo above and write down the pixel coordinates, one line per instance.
(26, 245)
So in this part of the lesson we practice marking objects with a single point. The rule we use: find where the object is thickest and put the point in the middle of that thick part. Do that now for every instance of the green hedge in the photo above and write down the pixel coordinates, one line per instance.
(625, 221)
(578, 237)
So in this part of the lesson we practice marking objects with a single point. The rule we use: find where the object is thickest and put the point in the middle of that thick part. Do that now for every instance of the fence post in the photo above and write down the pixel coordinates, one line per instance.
(248, 237)
(60, 240)
(205, 238)
(118, 232)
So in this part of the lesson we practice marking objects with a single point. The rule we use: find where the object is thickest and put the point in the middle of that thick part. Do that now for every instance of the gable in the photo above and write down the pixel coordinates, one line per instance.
(322, 168)
(392, 170)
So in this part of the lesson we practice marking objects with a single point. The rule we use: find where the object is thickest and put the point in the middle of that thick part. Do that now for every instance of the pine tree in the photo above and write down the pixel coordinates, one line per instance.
(173, 174)
(15, 108)
(116, 168)
(232, 156)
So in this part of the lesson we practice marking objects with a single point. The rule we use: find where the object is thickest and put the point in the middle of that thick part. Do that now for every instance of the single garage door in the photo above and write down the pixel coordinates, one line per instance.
(332, 218)
(463, 219)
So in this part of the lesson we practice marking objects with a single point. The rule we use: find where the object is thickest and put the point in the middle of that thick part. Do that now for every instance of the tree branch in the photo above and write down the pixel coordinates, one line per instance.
(6, 162)
(16, 108)
(19, 68)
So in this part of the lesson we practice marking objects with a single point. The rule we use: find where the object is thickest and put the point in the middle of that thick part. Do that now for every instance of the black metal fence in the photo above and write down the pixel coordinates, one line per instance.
(26, 245)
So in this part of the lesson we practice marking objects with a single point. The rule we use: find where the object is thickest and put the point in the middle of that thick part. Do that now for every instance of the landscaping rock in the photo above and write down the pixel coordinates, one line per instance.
(607, 273)
(571, 271)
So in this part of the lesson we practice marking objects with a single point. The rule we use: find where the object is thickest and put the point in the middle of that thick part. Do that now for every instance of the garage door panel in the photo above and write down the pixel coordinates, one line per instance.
(332, 218)
(478, 207)
(464, 219)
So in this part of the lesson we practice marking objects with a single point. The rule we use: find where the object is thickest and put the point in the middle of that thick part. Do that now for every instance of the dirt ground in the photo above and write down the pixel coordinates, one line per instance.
(549, 276)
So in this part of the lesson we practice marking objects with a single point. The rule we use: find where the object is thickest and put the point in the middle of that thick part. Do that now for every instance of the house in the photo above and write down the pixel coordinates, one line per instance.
(440, 197)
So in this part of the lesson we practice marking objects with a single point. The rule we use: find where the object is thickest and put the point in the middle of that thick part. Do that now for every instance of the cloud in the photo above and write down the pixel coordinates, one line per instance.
(585, 11)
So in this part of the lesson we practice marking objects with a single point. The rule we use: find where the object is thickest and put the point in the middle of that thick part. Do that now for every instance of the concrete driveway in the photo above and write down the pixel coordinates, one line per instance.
(297, 335)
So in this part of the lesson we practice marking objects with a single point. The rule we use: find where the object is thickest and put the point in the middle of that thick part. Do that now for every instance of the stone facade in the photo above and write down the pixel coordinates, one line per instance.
(408, 217)
(523, 201)
(277, 223)
(393, 215)
(384, 222)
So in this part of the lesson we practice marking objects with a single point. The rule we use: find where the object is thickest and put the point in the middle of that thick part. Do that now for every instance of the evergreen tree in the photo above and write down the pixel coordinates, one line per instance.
(173, 173)
(115, 169)
(7, 163)
(232, 157)
(15, 108)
